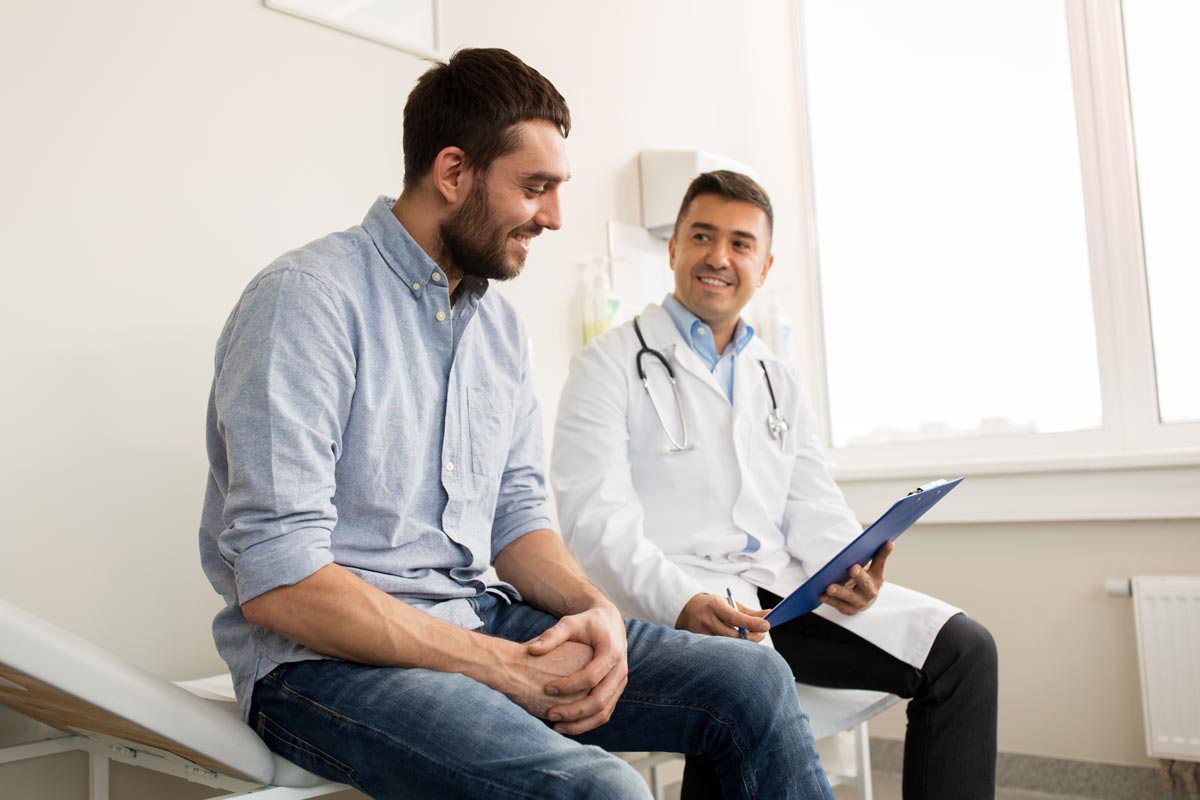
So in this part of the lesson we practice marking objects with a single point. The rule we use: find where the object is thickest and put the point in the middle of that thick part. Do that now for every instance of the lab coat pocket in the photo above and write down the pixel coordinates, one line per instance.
(773, 463)
(490, 426)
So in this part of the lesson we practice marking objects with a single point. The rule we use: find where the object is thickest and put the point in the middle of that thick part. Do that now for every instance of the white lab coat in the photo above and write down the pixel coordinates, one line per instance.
(654, 528)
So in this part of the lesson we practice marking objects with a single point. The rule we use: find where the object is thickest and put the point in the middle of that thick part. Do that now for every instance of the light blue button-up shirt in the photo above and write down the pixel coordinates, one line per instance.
(355, 420)
(699, 337)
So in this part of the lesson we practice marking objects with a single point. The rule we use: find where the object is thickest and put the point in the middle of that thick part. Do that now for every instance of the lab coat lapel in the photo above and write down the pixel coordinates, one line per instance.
(657, 326)
(686, 358)
(750, 393)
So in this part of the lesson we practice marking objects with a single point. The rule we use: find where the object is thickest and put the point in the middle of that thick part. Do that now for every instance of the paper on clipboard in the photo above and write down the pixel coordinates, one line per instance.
(895, 521)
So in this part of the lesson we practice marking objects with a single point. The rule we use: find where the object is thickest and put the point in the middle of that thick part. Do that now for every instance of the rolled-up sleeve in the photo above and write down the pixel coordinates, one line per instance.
(281, 399)
(521, 503)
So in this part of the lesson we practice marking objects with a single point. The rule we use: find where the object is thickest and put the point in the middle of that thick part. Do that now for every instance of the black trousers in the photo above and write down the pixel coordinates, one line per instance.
(950, 744)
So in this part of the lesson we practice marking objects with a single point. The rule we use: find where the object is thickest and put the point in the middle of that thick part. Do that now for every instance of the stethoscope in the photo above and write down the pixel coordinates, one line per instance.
(777, 426)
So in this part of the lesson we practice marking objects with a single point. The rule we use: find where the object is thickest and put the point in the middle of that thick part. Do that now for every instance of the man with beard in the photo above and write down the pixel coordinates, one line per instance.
(374, 443)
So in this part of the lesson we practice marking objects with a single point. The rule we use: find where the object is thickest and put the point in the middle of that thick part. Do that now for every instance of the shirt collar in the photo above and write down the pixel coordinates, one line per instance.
(698, 334)
(405, 257)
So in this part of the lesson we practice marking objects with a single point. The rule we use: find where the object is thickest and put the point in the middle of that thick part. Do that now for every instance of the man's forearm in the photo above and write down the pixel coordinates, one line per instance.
(337, 613)
(547, 575)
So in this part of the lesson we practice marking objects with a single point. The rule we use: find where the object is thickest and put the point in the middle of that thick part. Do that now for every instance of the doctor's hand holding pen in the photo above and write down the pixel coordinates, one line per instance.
(713, 614)
(859, 592)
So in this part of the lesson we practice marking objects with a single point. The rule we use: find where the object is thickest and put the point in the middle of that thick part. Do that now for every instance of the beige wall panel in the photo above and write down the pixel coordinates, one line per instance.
(1069, 685)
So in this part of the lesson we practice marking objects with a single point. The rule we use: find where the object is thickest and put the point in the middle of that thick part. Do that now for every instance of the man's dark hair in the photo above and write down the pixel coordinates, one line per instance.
(474, 102)
(733, 185)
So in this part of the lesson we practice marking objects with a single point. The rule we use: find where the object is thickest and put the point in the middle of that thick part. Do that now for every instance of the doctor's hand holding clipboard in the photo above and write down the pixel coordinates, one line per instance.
(720, 616)
(859, 567)
(859, 592)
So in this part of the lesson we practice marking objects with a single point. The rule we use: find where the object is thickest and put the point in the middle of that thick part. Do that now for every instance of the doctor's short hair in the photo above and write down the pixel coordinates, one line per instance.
(474, 102)
(733, 185)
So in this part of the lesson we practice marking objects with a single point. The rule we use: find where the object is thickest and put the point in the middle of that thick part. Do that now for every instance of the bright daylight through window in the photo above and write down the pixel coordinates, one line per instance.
(1164, 78)
(950, 221)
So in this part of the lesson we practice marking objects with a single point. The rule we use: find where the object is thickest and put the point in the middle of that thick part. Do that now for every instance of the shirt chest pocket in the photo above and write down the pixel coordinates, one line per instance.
(490, 422)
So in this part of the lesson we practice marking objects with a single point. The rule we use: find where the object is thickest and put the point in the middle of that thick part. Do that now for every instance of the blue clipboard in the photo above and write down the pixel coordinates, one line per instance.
(903, 513)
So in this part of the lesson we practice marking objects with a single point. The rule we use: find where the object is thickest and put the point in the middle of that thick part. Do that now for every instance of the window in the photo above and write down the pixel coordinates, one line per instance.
(1164, 70)
(950, 216)
(995, 296)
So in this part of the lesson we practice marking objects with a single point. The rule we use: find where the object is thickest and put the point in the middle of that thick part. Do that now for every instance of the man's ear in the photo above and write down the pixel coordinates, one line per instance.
(671, 253)
(762, 278)
(450, 174)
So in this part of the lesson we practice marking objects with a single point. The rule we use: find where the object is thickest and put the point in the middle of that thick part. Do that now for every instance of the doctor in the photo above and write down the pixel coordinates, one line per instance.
(686, 460)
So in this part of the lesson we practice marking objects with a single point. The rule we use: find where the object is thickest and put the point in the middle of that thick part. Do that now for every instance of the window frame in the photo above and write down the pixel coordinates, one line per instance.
(1133, 466)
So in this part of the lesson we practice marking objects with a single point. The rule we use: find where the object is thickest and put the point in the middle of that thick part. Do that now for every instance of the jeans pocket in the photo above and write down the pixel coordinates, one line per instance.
(304, 753)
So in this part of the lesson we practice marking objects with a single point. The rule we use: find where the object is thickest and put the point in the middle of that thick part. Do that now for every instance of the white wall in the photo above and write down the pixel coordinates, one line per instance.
(158, 154)
(1069, 684)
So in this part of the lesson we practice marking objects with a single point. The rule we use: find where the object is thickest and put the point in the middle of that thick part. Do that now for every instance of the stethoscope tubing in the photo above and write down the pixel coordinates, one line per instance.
(676, 446)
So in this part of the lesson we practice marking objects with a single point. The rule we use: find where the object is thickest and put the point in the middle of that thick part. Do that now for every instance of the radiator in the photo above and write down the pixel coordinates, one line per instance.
(1167, 614)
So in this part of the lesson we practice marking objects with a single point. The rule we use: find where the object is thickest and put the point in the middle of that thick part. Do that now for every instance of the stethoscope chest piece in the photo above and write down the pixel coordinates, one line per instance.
(777, 426)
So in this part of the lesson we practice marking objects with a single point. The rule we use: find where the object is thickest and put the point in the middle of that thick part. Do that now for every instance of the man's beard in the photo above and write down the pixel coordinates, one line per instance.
(473, 243)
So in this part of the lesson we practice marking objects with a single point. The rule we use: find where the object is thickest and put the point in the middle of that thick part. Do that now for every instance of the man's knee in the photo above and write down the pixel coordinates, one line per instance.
(969, 649)
(602, 777)
(762, 679)
(976, 643)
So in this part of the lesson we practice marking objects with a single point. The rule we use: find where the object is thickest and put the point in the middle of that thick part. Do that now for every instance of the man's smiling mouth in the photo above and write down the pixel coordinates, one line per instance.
(524, 240)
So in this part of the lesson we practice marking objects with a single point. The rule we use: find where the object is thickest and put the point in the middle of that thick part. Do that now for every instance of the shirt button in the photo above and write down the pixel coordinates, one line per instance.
(416, 285)
(437, 276)
(700, 330)
(449, 466)
(441, 316)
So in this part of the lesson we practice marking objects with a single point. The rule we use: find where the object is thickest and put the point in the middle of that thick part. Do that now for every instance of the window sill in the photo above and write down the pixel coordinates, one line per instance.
(1101, 486)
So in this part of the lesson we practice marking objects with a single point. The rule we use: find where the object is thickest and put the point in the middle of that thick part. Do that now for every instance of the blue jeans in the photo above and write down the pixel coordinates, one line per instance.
(404, 733)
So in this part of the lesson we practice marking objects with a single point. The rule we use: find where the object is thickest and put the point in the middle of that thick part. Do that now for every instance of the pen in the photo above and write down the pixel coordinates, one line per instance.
(729, 594)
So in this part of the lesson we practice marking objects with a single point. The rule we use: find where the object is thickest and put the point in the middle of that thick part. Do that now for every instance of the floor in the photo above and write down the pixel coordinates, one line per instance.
(887, 787)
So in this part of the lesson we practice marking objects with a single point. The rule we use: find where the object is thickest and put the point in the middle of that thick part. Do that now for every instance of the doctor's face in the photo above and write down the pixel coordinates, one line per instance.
(721, 254)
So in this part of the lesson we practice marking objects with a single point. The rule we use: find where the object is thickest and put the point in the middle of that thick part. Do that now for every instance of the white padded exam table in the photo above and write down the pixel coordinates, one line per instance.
(117, 712)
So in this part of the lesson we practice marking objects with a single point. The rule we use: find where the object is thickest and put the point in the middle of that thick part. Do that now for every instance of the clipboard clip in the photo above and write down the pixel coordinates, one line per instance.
(927, 487)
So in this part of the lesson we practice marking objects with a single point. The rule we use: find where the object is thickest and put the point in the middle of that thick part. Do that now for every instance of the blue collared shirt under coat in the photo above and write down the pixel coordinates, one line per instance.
(354, 419)
(699, 337)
